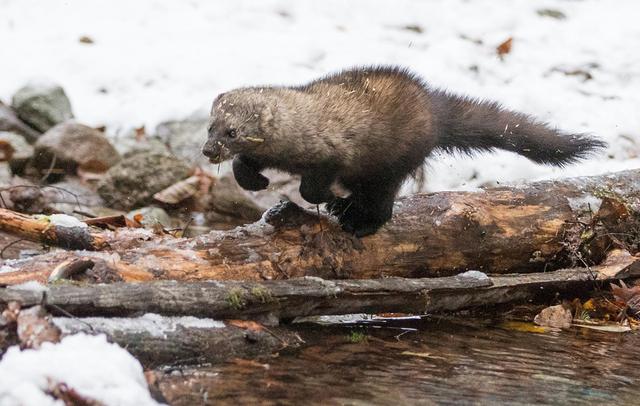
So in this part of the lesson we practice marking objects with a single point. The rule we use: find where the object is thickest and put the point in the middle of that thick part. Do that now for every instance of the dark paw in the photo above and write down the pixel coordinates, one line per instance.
(315, 196)
(259, 182)
(359, 227)
(247, 176)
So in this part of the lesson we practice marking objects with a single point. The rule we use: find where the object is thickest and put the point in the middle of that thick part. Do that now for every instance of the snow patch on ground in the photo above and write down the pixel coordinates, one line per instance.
(168, 59)
(89, 364)
(154, 324)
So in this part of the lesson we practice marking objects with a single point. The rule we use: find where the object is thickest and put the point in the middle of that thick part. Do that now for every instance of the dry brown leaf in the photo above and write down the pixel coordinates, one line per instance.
(505, 47)
(10, 314)
(179, 191)
(69, 268)
(85, 39)
(141, 133)
(109, 222)
(6, 151)
(630, 296)
(523, 327)
(616, 264)
(246, 325)
(554, 316)
(35, 327)
(249, 363)
(69, 396)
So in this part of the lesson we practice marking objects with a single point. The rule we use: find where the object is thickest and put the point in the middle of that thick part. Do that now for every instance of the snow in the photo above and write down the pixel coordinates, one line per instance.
(155, 60)
(154, 324)
(480, 276)
(33, 286)
(89, 364)
(64, 220)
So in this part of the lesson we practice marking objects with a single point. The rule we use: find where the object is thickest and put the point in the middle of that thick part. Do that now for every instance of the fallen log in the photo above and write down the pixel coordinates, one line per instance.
(45, 230)
(540, 226)
(287, 299)
(160, 341)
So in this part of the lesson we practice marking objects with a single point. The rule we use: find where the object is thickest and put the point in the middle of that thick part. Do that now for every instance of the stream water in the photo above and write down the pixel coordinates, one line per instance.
(421, 361)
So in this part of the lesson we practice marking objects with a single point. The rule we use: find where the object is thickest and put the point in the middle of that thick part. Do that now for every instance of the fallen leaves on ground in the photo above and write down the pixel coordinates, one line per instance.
(246, 325)
(36, 327)
(554, 316)
(524, 327)
(628, 296)
(505, 47)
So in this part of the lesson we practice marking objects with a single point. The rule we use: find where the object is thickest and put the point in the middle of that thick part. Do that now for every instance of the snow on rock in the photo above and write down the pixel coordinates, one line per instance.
(480, 276)
(89, 364)
(154, 324)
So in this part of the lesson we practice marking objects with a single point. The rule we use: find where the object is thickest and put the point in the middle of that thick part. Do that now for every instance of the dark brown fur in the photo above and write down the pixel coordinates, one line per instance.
(368, 129)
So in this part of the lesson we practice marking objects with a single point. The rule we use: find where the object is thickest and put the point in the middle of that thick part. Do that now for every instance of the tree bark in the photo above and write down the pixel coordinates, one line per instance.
(535, 227)
(181, 345)
(287, 299)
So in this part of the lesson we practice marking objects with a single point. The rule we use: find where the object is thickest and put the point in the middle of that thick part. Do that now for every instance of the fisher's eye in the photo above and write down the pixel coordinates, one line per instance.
(231, 133)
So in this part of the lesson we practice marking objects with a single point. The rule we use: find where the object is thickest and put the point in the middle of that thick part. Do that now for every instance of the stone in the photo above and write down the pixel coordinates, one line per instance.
(133, 181)
(72, 195)
(151, 216)
(74, 146)
(10, 122)
(42, 105)
(554, 316)
(129, 145)
(185, 137)
(17, 151)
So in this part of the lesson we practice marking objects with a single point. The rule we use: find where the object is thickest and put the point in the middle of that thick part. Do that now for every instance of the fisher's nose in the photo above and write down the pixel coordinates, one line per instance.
(211, 148)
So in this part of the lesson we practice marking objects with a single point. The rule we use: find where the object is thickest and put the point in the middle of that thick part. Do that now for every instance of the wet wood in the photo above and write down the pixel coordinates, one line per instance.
(179, 346)
(283, 300)
(535, 227)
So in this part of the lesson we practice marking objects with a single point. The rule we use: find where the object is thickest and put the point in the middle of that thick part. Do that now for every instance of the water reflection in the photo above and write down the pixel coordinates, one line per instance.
(431, 362)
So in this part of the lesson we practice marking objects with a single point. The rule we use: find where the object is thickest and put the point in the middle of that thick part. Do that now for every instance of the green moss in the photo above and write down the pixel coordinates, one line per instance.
(262, 294)
(357, 337)
(236, 299)
(602, 193)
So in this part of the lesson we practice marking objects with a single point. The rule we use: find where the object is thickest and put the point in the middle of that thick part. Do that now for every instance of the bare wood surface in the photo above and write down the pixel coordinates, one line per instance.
(535, 227)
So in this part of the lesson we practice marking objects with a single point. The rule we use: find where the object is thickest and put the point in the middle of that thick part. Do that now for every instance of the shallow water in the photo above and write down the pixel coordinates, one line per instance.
(443, 363)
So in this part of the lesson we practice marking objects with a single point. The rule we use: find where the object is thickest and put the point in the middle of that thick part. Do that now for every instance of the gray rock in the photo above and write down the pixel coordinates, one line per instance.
(9, 121)
(185, 137)
(72, 195)
(151, 216)
(229, 200)
(21, 151)
(128, 145)
(74, 146)
(5, 176)
(42, 105)
(133, 181)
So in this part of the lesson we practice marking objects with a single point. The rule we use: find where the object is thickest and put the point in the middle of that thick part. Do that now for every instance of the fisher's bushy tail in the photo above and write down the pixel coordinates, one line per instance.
(468, 125)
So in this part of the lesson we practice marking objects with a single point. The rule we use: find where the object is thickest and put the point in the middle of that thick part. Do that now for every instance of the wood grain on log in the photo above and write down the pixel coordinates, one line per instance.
(535, 227)
(286, 299)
